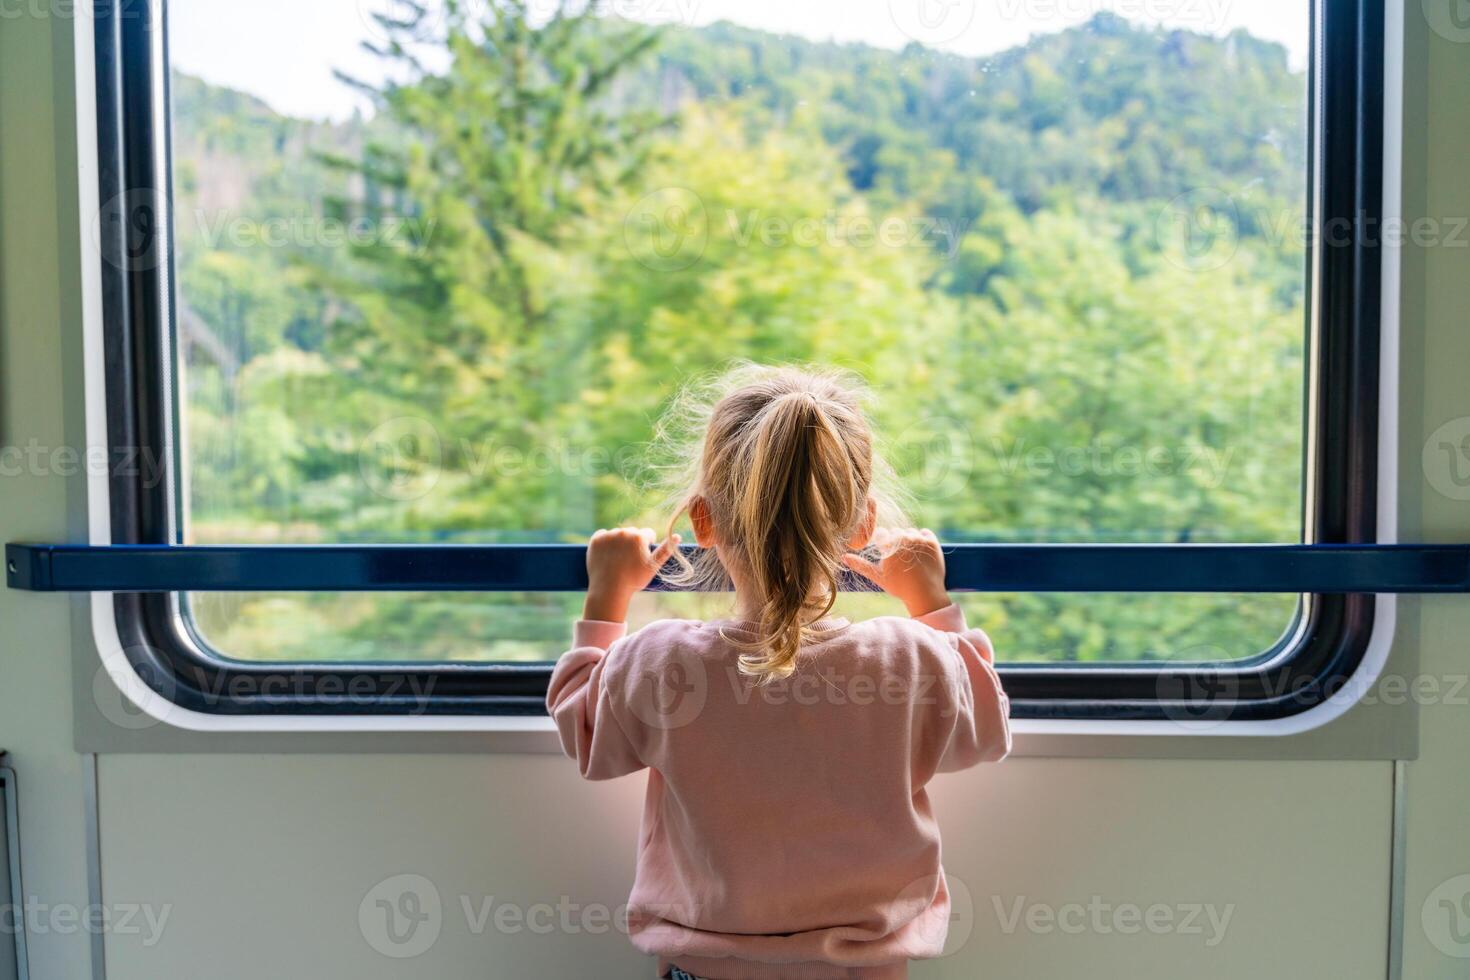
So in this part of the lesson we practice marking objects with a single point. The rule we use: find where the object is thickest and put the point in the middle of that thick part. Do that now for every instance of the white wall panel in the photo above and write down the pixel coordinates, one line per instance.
(264, 862)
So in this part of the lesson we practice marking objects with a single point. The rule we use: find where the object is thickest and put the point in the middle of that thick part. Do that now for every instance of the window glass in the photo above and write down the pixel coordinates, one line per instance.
(439, 273)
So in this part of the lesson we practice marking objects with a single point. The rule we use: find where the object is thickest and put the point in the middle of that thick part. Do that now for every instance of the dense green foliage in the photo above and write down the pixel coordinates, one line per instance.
(1062, 269)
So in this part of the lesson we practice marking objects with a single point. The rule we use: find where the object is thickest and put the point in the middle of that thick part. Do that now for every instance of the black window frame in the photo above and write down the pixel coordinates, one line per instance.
(1311, 662)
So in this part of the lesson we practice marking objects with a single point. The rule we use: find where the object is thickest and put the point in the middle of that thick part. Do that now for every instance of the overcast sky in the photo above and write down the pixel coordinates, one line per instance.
(284, 50)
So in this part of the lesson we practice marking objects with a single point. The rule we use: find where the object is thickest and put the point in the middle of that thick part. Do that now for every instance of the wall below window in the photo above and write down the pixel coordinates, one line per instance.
(266, 861)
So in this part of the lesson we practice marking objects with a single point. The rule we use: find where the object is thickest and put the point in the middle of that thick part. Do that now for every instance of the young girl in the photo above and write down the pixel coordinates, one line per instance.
(786, 830)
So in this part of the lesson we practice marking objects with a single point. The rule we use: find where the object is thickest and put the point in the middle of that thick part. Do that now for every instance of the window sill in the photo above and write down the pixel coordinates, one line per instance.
(118, 713)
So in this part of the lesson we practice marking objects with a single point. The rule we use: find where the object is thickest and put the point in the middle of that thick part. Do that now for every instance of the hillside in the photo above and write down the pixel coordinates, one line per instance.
(1125, 112)
(525, 257)
(1106, 109)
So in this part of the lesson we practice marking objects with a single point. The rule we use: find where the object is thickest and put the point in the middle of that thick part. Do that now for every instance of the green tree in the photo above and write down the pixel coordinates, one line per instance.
(502, 156)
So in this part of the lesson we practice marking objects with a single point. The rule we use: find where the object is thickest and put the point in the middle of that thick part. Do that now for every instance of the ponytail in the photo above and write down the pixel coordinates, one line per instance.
(793, 518)
(787, 471)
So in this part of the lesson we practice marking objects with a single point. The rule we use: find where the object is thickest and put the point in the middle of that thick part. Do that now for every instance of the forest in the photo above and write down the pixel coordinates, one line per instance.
(1072, 272)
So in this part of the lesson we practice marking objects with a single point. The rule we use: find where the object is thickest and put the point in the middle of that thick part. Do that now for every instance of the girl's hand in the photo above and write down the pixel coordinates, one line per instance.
(910, 568)
(620, 564)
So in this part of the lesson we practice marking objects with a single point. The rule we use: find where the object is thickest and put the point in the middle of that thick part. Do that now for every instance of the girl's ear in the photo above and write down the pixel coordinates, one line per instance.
(704, 527)
(864, 532)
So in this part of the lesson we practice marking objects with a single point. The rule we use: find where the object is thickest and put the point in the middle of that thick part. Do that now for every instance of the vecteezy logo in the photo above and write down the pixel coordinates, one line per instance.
(932, 21)
(952, 931)
(127, 231)
(1199, 230)
(401, 458)
(401, 916)
(1199, 699)
(1447, 459)
(402, 20)
(667, 697)
(667, 230)
(1450, 19)
(1446, 917)
(671, 697)
(673, 923)
(936, 457)
(137, 696)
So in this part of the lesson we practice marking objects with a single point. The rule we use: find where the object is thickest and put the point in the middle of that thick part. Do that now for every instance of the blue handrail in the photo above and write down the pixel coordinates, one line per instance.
(1203, 568)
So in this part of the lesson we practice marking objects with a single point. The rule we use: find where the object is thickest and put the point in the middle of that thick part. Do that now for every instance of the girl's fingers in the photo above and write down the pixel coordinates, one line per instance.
(865, 568)
(883, 540)
(665, 550)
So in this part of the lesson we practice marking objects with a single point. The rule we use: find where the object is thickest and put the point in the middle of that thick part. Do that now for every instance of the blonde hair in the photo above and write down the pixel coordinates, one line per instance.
(784, 459)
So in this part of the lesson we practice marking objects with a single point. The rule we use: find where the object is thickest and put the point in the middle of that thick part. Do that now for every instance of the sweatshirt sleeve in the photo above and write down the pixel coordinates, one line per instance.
(980, 710)
(578, 701)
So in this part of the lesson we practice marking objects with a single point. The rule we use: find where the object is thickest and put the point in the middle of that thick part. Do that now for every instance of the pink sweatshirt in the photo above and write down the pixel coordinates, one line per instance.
(786, 830)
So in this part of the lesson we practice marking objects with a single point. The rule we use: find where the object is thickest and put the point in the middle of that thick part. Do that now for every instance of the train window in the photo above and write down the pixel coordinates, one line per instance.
(431, 272)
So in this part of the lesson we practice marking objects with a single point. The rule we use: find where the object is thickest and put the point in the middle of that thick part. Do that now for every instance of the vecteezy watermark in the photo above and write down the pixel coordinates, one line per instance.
(38, 459)
(667, 230)
(304, 230)
(563, 916)
(404, 20)
(37, 918)
(128, 230)
(403, 458)
(941, 908)
(1281, 228)
(835, 229)
(1450, 19)
(936, 456)
(672, 695)
(1102, 917)
(428, 20)
(1445, 917)
(1209, 695)
(1206, 463)
(489, 457)
(134, 690)
(669, 697)
(1203, 228)
(135, 694)
(1199, 698)
(1206, 15)
(1446, 459)
(824, 685)
(1198, 230)
(932, 22)
(81, 10)
(39, 9)
(403, 916)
